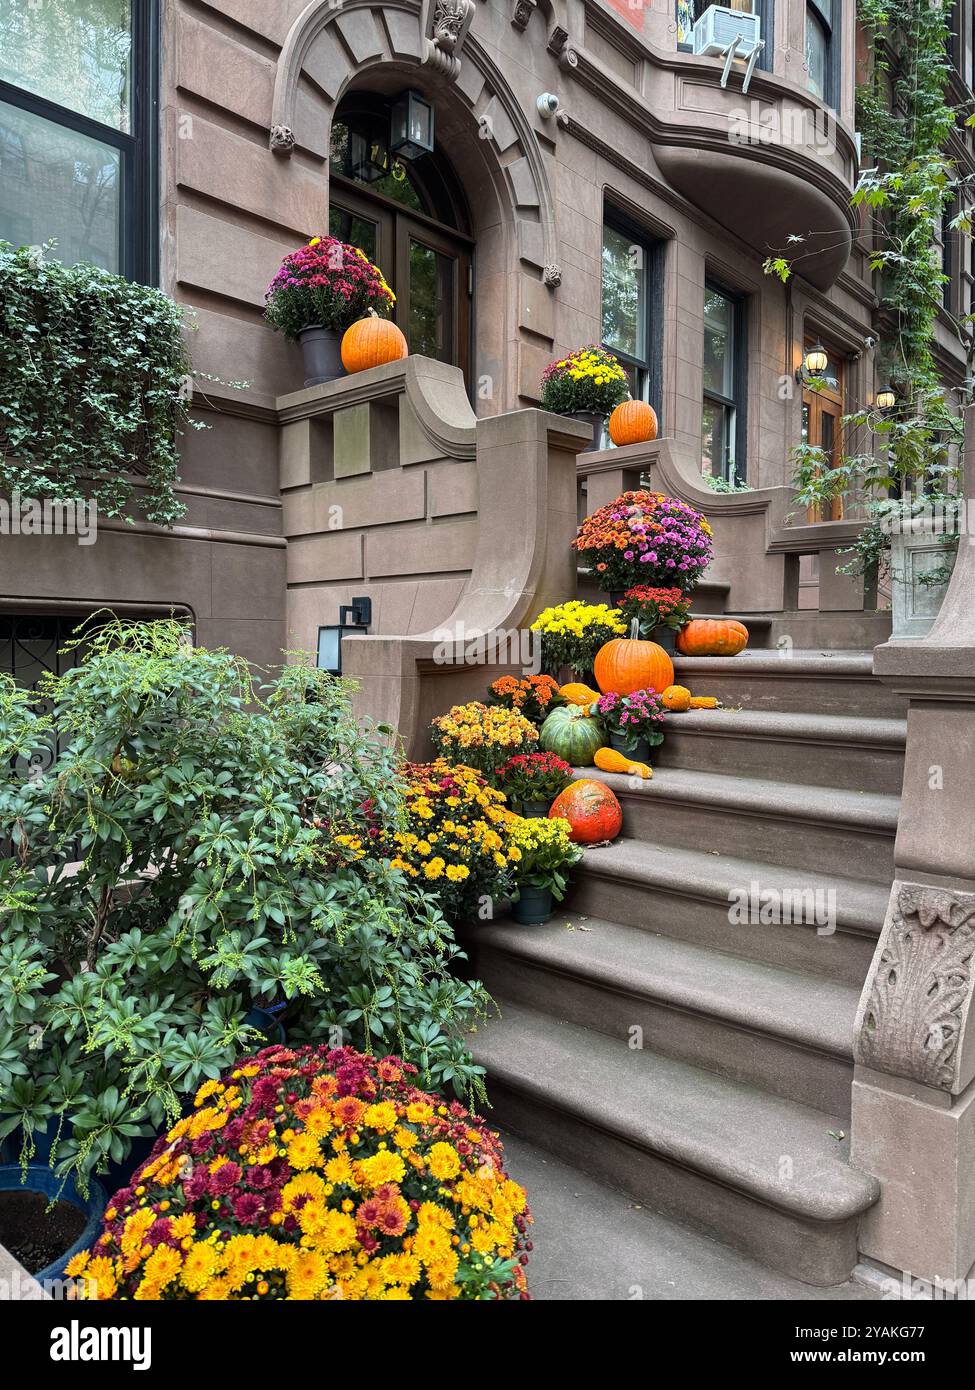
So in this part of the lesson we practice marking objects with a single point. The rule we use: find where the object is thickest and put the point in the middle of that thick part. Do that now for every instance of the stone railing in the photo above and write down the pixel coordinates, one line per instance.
(757, 548)
(913, 1122)
(457, 528)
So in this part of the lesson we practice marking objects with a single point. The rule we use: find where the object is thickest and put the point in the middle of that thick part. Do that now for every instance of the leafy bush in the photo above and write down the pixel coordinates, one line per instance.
(92, 386)
(200, 848)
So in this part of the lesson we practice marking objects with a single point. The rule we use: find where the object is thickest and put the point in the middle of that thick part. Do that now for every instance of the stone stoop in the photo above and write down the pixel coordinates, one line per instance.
(700, 1064)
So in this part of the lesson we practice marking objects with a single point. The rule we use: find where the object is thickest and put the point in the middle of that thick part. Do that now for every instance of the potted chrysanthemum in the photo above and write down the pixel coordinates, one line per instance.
(587, 384)
(547, 855)
(319, 292)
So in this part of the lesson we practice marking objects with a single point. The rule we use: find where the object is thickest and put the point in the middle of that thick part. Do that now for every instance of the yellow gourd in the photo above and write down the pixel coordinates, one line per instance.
(609, 760)
(703, 702)
(676, 698)
(578, 694)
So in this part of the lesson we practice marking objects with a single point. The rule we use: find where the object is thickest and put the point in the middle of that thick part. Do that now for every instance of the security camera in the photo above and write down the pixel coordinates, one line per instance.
(548, 104)
(870, 342)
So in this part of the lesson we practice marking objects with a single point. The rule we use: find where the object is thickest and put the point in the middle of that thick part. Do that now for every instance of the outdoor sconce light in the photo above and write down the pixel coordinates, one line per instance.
(368, 148)
(814, 363)
(885, 398)
(353, 617)
(411, 126)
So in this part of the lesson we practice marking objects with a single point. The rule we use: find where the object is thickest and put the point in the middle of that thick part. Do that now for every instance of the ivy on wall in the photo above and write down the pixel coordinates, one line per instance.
(93, 387)
(905, 119)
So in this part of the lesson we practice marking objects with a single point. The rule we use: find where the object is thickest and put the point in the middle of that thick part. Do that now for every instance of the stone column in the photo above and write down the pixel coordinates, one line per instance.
(913, 1122)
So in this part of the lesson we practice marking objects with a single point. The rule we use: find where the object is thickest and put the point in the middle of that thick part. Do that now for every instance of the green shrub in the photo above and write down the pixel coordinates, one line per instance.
(229, 853)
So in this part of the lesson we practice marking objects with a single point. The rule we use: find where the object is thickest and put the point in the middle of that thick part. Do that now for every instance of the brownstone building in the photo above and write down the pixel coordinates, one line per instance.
(592, 178)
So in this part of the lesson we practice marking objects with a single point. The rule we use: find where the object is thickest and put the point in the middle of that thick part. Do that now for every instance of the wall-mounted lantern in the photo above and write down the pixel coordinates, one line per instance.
(353, 617)
(886, 398)
(814, 362)
(411, 126)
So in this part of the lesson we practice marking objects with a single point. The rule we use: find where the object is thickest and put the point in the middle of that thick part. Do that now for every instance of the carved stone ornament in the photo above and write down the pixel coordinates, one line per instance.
(561, 48)
(282, 139)
(915, 1005)
(445, 26)
(522, 13)
(552, 276)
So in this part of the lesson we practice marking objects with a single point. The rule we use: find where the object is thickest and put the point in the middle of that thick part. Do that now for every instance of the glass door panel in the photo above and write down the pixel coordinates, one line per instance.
(432, 302)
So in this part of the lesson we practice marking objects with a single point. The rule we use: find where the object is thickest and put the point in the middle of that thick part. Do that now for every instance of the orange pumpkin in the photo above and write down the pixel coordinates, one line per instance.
(592, 810)
(626, 664)
(633, 422)
(712, 637)
(371, 342)
(676, 698)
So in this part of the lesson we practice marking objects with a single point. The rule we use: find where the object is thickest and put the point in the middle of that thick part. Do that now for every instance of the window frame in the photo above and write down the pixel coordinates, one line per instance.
(138, 204)
(833, 30)
(653, 248)
(739, 379)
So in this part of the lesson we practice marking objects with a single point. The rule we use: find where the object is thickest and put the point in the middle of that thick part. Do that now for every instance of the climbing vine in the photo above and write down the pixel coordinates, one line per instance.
(905, 458)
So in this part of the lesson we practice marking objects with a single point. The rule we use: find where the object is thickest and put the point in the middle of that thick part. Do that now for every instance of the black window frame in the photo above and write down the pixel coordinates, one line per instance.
(138, 150)
(653, 252)
(738, 402)
(833, 29)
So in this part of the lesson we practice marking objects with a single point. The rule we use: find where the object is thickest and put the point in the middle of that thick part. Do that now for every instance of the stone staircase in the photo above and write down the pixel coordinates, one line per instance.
(699, 1063)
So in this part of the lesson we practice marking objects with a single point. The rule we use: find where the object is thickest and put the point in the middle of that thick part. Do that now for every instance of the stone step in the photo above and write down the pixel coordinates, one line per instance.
(789, 679)
(690, 895)
(710, 596)
(789, 823)
(826, 750)
(761, 1173)
(782, 1031)
(591, 1242)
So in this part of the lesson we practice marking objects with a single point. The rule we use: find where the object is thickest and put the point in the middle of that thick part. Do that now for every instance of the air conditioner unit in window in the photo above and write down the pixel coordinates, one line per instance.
(725, 33)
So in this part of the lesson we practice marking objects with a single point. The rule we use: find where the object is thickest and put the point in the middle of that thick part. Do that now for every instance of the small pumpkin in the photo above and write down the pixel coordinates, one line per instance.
(626, 664)
(571, 733)
(371, 342)
(704, 702)
(609, 760)
(575, 693)
(676, 698)
(633, 422)
(592, 810)
(712, 637)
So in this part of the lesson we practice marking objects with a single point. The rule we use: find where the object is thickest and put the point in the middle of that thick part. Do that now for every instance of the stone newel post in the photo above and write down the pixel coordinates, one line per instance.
(913, 1120)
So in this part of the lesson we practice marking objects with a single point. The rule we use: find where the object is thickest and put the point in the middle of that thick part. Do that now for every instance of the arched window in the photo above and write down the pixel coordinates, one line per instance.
(410, 218)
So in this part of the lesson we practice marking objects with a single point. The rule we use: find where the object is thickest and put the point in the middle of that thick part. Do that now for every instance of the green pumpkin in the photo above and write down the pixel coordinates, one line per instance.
(571, 733)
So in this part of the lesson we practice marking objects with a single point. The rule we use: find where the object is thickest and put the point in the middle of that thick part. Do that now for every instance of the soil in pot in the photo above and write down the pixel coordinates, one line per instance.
(35, 1236)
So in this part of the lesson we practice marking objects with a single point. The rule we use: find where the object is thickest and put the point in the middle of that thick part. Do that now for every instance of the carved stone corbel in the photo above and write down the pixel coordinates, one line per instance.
(560, 47)
(915, 1005)
(522, 13)
(445, 26)
(552, 276)
(282, 140)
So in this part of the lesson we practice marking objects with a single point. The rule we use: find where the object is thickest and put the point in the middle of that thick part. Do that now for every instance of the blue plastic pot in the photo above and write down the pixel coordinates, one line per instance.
(42, 1180)
(267, 1021)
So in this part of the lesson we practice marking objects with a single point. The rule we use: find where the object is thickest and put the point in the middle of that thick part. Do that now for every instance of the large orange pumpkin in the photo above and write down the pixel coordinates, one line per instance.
(633, 422)
(626, 664)
(712, 637)
(371, 342)
(592, 810)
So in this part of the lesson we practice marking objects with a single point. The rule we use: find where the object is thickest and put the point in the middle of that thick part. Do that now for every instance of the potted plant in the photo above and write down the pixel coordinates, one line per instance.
(633, 722)
(645, 538)
(547, 855)
(532, 696)
(482, 736)
(532, 781)
(660, 613)
(319, 292)
(587, 385)
(572, 633)
(348, 1182)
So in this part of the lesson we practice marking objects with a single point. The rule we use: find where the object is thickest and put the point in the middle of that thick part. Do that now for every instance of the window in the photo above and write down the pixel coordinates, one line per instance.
(946, 250)
(822, 415)
(821, 61)
(723, 422)
(77, 130)
(409, 217)
(686, 11)
(631, 307)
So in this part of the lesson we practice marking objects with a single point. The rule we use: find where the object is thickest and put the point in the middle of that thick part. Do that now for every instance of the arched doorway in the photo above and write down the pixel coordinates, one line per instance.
(409, 216)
